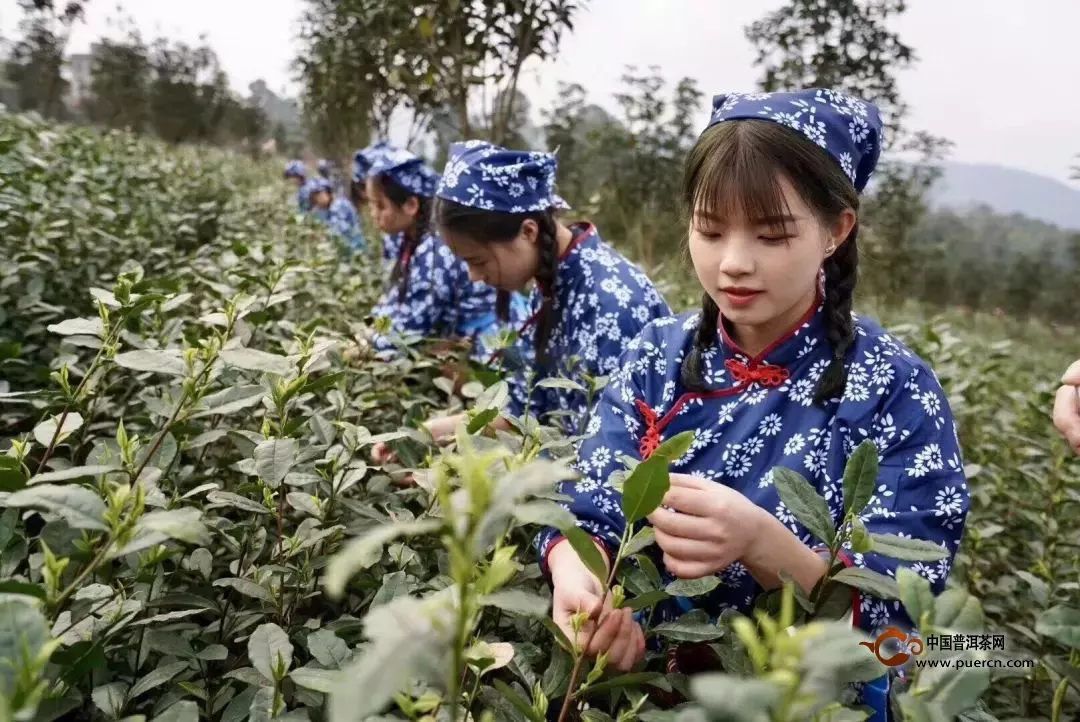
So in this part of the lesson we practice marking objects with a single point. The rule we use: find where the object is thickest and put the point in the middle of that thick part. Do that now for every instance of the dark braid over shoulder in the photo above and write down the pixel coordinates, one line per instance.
(502, 305)
(546, 278)
(841, 271)
(707, 331)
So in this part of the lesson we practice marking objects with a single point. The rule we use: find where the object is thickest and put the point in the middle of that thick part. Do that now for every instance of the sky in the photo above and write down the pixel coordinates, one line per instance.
(998, 79)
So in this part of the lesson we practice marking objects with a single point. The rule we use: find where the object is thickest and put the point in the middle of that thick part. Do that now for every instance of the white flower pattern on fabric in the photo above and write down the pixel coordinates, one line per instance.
(845, 126)
(921, 491)
(595, 327)
(440, 301)
(343, 220)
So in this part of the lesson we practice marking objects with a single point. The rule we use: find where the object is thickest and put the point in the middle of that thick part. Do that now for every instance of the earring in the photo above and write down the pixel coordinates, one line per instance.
(829, 250)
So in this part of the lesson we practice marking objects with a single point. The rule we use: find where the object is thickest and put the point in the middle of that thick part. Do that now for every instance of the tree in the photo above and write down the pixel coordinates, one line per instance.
(71, 11)
(366, 60)
(641, 157)
(38, 57)
(894, 210)
(188, 91)
(840, 44)
(571, 127)
(120, 84)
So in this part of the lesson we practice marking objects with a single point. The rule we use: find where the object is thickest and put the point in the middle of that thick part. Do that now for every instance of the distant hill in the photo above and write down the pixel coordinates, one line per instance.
(1007, 190)
(279, 110)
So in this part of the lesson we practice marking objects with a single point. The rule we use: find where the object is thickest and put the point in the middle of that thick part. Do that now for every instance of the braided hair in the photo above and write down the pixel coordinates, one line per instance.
(483, 226)
(735, 168)
(412, 237)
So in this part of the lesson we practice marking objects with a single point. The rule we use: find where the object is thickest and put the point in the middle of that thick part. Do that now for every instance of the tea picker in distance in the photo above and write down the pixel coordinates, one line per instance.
(774, 370)
(296, 173)
(335, 212)
(495, 208)
(429, 293)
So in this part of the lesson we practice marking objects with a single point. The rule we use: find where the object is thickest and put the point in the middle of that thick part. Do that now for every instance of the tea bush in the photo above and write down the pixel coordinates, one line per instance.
(192, 528)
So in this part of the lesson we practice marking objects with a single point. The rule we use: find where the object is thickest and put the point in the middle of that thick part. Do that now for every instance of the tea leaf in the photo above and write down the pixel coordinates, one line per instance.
(518, 601)
(546, 513)
(79, 507)
(732, 698)
(109, 698)
(694, 626)
(156, 678)
(45, 431)
(319, 680)
(906, 549)
(247, 588)
(183, 524)
(809, 508)
(328, 648)
(23, 629)
(1060, 623)
(644, 489)
(676, 447)
(643, 538)
(270, 650)
(519, 703)
(75, 326)
(586, 550)
(403, 639)
(274, 458)
(162, 362)
(561, 384)
(957, 610)
(692, 587)
(496, 396)
(185, 711)
(362, 552)
(915, 594)
(235, 500)
(860, 477)
(646, 600)
(868, 581)
(634, 679)
(251, 359)
(959, 690)
(75, 472)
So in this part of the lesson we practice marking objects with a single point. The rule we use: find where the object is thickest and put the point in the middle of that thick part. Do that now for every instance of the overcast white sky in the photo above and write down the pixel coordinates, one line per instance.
(1000, 79)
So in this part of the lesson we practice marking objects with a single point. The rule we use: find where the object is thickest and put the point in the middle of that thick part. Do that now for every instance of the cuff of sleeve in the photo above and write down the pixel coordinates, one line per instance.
(856, 597)
(555, 540)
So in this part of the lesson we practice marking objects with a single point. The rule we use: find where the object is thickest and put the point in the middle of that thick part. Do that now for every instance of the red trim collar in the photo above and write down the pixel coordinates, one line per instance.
(582, 231)
(815, 307)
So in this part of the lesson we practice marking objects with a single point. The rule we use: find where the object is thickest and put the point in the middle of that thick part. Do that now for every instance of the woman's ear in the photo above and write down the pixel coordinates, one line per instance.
(841, 229)
(412, 206)
(529, 231)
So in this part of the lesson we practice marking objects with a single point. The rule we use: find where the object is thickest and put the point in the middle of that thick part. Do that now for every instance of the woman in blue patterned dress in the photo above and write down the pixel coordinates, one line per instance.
(296, 173)
(495, 209)
(775, 370)
(429, 293)
(335, 212)
(362, 159)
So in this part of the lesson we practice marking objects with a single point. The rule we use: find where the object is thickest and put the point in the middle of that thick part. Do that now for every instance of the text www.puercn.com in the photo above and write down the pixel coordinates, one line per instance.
(975, 663)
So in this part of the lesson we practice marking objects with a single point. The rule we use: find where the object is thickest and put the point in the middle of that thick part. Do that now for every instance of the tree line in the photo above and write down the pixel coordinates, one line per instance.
(452, 69)
(171, 89)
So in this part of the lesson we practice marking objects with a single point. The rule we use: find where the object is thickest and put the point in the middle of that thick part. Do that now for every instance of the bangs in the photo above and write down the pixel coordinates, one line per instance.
(734, 171)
